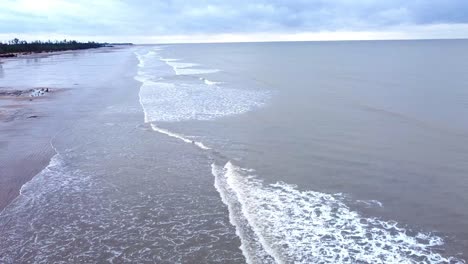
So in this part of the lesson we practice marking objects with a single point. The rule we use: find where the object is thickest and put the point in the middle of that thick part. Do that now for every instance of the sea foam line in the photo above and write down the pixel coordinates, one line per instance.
(208, 82)
(186, 68)
(251, 247)
(179, 136)
(139, 77)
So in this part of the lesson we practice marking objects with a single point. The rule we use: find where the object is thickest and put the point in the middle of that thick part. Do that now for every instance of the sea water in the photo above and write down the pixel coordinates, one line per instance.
(333, 152)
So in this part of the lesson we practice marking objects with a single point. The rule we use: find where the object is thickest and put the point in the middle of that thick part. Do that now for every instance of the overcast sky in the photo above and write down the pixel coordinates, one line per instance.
(150, 21)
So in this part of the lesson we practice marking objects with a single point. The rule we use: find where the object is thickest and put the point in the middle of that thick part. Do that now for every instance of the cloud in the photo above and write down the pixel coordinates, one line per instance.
(119, 19)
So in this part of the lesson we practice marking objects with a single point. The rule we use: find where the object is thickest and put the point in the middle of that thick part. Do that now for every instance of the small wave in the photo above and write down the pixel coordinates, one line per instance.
(251, 246)
(208, 82)
(54, 163)
(142, 58)
(186, 68)
(180, 65)
(170, 60)
(293, 226)
(370, 203)
(179, 136)
(192, 71)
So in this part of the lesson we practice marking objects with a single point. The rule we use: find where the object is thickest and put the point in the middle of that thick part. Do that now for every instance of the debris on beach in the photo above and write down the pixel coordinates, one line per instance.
(35, 92)
(38, 92)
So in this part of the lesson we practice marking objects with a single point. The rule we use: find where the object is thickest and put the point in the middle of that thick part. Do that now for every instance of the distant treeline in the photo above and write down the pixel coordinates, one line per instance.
(21, 46)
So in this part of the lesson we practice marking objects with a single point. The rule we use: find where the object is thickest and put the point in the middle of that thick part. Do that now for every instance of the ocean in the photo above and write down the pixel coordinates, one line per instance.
(295, 152)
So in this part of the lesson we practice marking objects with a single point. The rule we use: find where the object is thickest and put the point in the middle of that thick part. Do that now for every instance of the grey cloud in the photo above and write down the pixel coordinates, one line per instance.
(147, 17)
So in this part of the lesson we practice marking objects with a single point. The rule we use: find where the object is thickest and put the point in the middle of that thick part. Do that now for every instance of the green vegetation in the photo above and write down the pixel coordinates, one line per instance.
(15, 46)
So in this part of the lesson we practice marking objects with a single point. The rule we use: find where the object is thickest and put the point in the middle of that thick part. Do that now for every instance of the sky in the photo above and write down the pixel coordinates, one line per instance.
(169, 21)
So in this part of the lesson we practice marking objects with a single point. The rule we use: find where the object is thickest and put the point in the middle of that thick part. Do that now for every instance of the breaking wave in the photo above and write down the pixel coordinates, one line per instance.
(278, 223)
(186, 68)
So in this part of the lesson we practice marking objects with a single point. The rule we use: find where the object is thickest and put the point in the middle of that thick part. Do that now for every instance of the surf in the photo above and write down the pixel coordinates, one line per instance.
(278, 222)
(288, 225)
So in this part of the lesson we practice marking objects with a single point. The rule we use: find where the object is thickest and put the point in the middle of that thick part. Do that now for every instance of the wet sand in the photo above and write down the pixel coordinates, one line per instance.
(24, 147)
(30, 117)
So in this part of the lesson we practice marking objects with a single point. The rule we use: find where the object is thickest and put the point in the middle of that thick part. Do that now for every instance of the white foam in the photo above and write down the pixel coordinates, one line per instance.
(54, 163)
(171, 102)
(180, 65)
(251, 247)
(186, 68)
(142, 58)
(370, 203)
(296, 226)
(208, 82)
(192, 71)
(167, 59)
(179, 136)
(175, 101)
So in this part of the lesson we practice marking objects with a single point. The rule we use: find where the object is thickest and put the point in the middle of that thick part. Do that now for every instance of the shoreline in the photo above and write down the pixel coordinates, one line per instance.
(29, 118)
(29, 53)
(4, 57)
(32, 116)
(25, 152)
(17, 46)
(19, 54)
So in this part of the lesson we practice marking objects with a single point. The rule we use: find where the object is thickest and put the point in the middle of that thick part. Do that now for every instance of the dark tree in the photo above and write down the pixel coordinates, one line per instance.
(20, 46)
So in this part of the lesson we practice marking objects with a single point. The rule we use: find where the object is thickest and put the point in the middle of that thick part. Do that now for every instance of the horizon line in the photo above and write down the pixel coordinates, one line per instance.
(314, 40)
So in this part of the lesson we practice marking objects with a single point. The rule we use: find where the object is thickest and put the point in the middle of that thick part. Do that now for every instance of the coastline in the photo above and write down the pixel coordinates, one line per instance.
(24, 151)
(30, 117)
(16, 46)
(19, 55)
(25, 146)
(51, 49)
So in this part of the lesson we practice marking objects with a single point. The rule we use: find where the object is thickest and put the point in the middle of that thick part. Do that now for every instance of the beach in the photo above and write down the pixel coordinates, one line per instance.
(25, 152)
(314, 152)
(30, 117)
(28, 121)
